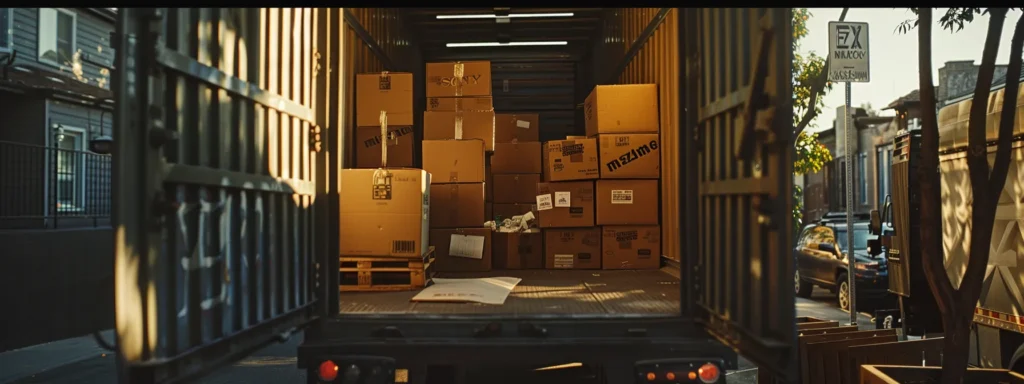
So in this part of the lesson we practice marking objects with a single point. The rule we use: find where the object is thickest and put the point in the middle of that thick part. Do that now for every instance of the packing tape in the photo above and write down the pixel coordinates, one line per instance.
(383, 139)
(458, 125)
(458, 72)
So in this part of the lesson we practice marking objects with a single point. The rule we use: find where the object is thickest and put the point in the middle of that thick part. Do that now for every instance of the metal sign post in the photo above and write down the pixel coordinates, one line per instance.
(849, 63)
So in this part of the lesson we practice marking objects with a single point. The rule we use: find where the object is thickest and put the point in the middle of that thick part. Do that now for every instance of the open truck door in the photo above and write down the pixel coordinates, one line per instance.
(217, 134)
(739, 180)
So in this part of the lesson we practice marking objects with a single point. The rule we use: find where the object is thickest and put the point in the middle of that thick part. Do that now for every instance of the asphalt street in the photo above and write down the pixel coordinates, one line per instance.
(82, 361)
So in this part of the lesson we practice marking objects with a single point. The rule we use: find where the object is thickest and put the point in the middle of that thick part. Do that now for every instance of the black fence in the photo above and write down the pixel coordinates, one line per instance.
(50, 188)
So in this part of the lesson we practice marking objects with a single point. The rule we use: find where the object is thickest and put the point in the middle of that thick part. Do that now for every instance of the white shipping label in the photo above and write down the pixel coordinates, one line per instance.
(622, 196)
(523, 124)
(544, 202)
(562, 199)
(467, 246)
(564, 261)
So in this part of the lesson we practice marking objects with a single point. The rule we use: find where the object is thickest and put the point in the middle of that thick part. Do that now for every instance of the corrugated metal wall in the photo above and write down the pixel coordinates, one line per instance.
(656, 63)
(384, 27)
(545, 88)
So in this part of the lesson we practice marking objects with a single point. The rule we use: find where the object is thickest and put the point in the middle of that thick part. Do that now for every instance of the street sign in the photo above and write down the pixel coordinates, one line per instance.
(848, 52)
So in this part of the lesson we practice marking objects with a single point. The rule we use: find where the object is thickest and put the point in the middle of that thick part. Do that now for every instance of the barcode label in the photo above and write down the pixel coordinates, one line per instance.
(564, 261)
(403, 246)
(622, 196)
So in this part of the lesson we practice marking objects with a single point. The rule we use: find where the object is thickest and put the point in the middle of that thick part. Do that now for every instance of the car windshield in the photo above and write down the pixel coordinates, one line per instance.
(860, 238)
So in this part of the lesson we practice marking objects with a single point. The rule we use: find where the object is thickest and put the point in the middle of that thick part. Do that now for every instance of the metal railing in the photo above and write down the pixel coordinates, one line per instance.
(49, 188)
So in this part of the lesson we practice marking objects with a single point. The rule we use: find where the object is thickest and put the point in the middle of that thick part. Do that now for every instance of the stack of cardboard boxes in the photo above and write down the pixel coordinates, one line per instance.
(458, 131)
(624, 121)
(610, 223)
(383, 207)
(515, 170)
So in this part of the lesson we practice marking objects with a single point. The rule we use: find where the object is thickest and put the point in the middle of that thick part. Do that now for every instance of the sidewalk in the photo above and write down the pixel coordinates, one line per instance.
(30, 361)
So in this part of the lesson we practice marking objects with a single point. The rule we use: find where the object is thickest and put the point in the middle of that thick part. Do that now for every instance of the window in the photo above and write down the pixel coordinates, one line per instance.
(884, 163)
(56, 36)
(70, 170)
(862, 183)
(6, 29)
(860, 238)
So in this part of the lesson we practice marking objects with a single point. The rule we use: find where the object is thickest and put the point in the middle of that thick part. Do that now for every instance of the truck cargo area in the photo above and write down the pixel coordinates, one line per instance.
(543, 292)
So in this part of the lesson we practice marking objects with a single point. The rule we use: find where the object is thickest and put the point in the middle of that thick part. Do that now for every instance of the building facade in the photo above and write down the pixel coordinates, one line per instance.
(55, 194)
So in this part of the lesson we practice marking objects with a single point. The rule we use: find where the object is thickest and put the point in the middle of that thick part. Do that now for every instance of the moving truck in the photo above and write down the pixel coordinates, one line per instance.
(233, 127)
(997, 339)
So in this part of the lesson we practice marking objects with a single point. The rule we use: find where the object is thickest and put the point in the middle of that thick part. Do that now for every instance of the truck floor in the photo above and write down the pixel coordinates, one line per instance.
(543, 292)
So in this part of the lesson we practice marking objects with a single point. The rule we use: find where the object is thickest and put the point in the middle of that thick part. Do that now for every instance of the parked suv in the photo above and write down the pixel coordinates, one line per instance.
(821, 260)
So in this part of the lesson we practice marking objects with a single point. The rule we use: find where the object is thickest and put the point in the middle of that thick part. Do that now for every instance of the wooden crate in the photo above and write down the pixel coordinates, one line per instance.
(380, 274)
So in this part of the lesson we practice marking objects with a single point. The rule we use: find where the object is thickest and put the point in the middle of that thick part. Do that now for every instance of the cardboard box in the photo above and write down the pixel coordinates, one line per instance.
(552, 209)
(631, 247)
(387, 91)
(627, 202)
(488, 184)
(457, 205)
(384, 212)
(470, 253)
(506, 211)
(484, 103)
(522, 157)
(400, 147)
(516, 188)
(572, 248)
(475, 125)
(454, 161)
(520, 250)
(566, 160)
(630, 156)
(516, 127)
(443, 79)
(625, 108)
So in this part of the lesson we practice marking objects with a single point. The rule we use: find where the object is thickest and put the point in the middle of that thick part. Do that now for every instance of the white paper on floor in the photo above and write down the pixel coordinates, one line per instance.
(485, 290)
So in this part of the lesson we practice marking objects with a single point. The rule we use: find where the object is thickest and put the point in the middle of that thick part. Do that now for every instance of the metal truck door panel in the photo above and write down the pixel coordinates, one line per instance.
(215, 140)
(739, 231)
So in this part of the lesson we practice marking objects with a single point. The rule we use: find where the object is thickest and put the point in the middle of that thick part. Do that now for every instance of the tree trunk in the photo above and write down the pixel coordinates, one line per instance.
(958, 338)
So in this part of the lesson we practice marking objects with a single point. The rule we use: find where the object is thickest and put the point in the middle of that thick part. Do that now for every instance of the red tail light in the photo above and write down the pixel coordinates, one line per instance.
(328, 371)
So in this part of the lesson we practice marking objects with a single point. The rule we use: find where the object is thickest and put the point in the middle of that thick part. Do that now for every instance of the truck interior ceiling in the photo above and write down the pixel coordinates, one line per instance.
(543, 62)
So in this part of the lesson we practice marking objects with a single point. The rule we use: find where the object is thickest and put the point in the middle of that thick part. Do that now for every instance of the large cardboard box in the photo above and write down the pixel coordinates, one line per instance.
(507, 211)
(388, 91)
(454, 161)
(521, 157)
(565, 204)
(516, 188)
(481, 103)
(400, 147)
(566, 160)
(572, 248)
(631, 247)
(516, 127)
(630, 156)
(443, 79)
(518, 250)
(475, 125)
(461, 250)
(626, 108)
(627, 202)
(457, 205)
(384, 212)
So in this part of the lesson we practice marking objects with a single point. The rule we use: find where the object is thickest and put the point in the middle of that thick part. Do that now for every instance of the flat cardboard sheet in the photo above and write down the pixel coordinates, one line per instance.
(485, 290)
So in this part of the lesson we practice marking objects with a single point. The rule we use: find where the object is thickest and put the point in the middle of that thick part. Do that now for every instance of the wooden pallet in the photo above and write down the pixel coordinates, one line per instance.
(380, 274)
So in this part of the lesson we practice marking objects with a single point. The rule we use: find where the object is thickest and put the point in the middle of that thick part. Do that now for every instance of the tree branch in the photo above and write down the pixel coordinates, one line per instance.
(816, 89)
(977, 154)
(1009, 112)
(983, 207)
(931, 208)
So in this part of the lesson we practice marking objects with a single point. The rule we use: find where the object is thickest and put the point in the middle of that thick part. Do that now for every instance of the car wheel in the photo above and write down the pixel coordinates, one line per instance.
(843, 292)
(803, 288)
